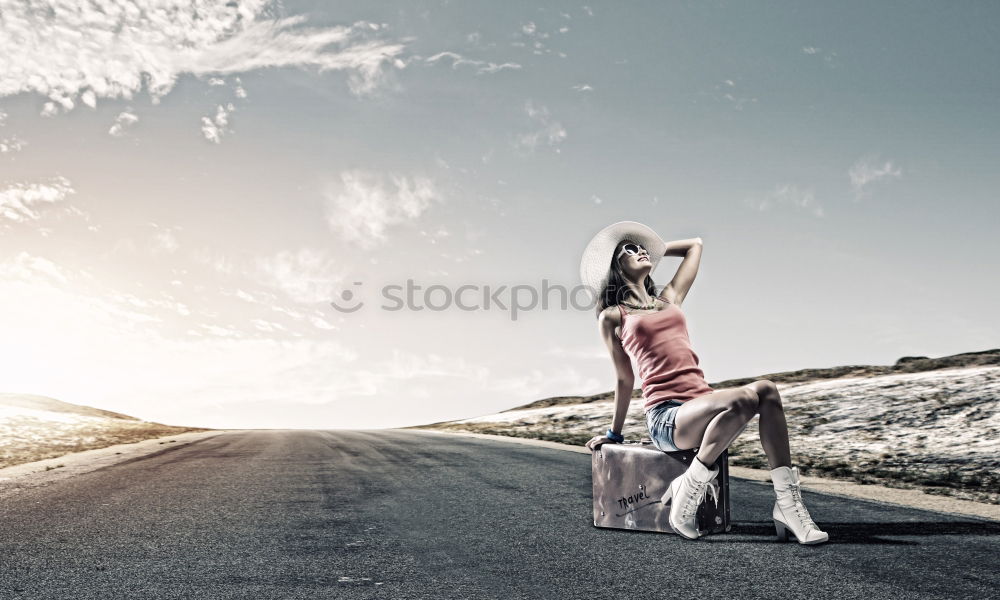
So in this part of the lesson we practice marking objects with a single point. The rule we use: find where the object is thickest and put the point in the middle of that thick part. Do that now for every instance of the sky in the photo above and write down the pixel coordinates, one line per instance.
(189, 190)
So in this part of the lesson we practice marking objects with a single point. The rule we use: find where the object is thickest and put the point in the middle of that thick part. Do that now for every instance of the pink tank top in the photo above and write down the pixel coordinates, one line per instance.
(668, 365)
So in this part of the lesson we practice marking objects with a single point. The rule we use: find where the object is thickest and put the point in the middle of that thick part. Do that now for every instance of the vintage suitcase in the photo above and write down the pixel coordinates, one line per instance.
(631, 478)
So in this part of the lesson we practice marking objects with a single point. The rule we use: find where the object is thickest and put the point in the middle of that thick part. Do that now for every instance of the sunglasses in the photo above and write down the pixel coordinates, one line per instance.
(631, 249)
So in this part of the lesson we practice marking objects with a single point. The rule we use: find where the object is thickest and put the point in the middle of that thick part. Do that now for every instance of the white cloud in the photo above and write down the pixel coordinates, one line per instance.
(456, 58)
(366, 205)
(534, 37)
(29, 276)
(291, 313)
(411, 368)
(63, 311)
(267, 326)
(249, 371)
(21, 201)
(538, 383)
(246, 297)
(864, 172)
(726, 91)
(33, 269)
(829, 56)
(739, 101)
(123, 121)
(75, 52)
(481, 66)
(11, 144)
(218, 262)
(223, 332)
(549, 132)
(321, 323)
(213, 128)
(304, 276)
(588, 10)
(583, 87)
(786, 194)
(138, 370)
(164, 241)
(434, 236)
(148, 304)
(494, 67)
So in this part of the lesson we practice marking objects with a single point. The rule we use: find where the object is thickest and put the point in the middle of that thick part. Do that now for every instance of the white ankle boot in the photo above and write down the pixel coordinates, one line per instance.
(685, 495)
(789, 512)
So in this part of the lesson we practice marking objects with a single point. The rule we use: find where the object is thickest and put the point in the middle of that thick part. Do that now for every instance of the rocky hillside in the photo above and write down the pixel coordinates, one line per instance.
(36, 427)
(931, 423)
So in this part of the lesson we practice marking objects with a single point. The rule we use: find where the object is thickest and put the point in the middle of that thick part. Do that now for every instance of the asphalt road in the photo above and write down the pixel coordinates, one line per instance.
(399, 514)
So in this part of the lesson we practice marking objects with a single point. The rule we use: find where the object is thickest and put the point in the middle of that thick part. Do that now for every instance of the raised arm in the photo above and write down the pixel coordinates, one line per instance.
(625, 380)
(677, 289)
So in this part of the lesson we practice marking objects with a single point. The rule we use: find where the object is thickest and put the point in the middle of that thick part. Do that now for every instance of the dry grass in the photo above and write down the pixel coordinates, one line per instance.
(121, 433)
(36, 428)
(934, 429)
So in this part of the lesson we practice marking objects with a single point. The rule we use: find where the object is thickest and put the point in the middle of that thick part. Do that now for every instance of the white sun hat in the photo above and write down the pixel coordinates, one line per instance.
(596, 261)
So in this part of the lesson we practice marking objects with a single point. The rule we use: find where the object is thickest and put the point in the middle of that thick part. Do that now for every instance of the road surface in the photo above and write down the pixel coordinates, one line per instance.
(403, 514)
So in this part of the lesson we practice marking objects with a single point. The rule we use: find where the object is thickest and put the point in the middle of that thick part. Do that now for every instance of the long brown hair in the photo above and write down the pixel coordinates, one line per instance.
(617, 291)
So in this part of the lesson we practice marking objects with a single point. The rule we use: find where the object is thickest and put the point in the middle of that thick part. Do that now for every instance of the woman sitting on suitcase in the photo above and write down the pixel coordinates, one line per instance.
(682, 411)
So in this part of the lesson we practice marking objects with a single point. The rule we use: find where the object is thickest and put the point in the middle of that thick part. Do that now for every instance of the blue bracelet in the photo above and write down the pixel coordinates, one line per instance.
(615, 437)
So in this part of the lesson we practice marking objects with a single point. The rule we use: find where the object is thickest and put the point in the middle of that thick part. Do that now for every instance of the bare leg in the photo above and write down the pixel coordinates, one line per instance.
(714, 420)
(772, 425)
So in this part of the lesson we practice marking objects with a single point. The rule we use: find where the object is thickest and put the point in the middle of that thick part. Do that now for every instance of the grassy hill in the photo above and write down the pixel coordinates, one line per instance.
(37, 427)
(928, 423)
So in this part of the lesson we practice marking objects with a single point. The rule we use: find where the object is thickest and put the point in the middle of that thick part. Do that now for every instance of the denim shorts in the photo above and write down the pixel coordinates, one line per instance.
(660, 421)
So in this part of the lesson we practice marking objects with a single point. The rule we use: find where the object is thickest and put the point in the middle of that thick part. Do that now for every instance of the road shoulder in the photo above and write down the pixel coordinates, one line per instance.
(875, 493)
(44, 472)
